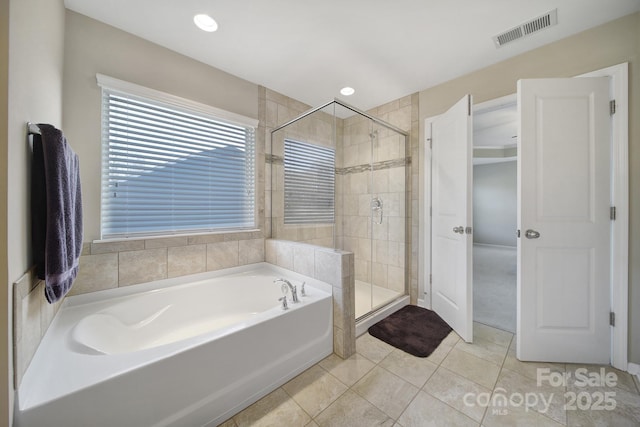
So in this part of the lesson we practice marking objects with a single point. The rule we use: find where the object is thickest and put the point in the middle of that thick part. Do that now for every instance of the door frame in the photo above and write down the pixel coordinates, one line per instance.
(619, 278)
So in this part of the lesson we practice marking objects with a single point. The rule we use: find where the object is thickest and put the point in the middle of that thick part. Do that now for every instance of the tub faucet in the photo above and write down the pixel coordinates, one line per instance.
(294, 293)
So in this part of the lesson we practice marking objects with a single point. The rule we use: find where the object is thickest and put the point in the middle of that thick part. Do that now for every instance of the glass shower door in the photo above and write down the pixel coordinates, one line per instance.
(380, 249)
(387, 216)
(368, 213)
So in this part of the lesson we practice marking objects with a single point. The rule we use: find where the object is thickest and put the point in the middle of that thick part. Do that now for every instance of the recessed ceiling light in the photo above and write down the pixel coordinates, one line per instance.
(347, 91)
(205, 22)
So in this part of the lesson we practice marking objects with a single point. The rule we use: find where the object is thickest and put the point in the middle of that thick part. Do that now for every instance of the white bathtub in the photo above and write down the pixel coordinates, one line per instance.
(179, 352)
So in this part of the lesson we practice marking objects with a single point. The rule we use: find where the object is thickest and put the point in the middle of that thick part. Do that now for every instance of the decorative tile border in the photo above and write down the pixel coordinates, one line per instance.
(387, 164)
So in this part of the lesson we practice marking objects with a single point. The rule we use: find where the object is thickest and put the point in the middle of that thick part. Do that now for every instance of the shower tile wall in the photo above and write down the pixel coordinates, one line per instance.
(380, 248)
(318, 129)
(404, 114)
(381, 257)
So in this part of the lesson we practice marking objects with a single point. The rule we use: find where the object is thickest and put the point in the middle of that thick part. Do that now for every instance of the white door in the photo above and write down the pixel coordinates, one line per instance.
(451, 202)
(563, 218)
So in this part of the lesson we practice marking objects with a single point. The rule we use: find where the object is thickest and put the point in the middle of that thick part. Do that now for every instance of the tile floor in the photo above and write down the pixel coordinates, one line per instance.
(460, 384)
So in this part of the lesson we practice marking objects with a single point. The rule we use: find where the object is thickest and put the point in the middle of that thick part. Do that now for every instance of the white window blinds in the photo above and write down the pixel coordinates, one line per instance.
(309, 183)
(168, 170)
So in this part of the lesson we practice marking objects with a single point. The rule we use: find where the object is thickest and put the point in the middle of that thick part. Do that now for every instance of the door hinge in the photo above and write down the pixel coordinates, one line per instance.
(430, 142)
(612, 107)
(430, 210)
(468, 230)
(469, 105)
(612, 213)
(430, 279)
(612, 319)
(518, 233)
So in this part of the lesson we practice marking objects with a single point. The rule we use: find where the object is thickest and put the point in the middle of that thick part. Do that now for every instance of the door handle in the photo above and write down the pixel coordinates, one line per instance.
(376, 206)
(459, 230)
(531, 234)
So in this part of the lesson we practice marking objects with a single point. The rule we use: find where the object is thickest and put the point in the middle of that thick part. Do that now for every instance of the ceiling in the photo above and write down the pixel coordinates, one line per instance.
(384, 49)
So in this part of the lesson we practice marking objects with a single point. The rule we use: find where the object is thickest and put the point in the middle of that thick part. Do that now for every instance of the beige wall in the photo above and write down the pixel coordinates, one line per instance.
(35, 63)
(600, 47)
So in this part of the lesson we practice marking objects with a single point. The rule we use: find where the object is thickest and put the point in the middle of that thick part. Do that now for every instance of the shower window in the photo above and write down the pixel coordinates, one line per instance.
(170, 169)
(309, 183)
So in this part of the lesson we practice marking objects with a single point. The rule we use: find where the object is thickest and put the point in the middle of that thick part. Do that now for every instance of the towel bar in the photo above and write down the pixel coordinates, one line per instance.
(32, 129)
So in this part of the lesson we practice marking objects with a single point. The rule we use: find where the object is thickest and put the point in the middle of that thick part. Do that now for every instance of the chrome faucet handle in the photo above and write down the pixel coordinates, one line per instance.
(284, 302)
(302, 291)
(284, 289)
(286, 283)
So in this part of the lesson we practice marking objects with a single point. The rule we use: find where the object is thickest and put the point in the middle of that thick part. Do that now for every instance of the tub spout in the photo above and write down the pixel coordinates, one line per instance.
(293, 289)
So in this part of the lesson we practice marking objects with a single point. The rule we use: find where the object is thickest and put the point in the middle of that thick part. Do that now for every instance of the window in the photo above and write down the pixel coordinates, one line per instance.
(309, 183)
(171, 166)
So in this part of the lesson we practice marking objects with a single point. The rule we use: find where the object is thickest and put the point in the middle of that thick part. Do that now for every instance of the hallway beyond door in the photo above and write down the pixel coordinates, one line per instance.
(494, 286)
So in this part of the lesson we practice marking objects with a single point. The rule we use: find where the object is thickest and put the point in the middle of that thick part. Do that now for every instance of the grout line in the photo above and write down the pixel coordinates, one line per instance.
(292, 398)
(493, 389)
(446, 403)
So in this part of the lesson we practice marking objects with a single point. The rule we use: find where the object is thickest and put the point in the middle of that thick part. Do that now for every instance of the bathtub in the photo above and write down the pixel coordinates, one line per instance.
(190, 351)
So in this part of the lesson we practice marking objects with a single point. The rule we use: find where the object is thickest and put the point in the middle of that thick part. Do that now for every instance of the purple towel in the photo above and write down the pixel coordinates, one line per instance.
(56, 206)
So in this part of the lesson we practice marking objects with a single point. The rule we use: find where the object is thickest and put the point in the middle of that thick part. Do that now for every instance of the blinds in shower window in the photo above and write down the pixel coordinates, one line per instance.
(309, 183)
(170, 170)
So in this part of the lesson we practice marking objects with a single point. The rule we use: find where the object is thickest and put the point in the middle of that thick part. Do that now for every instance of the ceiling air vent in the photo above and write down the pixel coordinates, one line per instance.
(530, 27)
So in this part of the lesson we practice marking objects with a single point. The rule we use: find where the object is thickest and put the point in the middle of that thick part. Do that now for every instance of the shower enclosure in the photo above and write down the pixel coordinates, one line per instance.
(339, 179)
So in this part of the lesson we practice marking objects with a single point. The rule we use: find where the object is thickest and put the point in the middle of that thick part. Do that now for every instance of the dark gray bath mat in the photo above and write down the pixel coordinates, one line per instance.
(413, 329)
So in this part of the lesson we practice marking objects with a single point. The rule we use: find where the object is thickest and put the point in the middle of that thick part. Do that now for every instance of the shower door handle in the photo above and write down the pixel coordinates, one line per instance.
(376, 206)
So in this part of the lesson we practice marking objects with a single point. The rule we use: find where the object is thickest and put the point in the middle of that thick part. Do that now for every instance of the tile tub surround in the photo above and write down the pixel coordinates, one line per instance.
(107, 265)
(32, 315)
(332, 266)
(381, 385)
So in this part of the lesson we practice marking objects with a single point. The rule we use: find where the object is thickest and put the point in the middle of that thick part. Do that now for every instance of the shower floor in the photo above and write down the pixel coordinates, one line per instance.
(364, 301)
